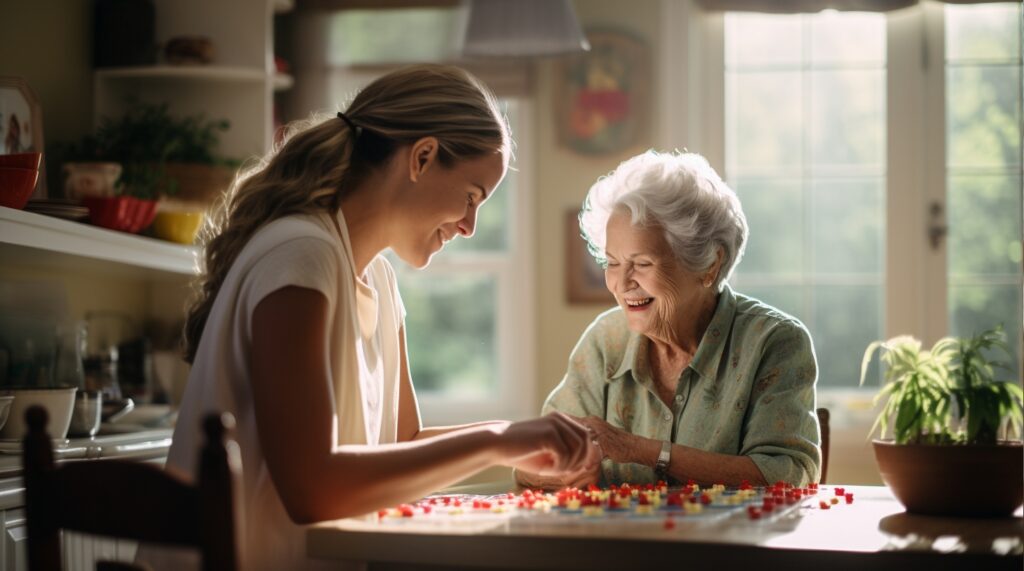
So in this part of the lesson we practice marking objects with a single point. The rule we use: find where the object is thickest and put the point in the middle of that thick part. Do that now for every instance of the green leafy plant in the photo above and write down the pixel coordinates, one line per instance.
(984, 401)
(143, 140)
(932, 392)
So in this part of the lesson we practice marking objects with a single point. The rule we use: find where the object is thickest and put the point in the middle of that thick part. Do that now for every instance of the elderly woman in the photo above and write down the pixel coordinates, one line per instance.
(684, 379)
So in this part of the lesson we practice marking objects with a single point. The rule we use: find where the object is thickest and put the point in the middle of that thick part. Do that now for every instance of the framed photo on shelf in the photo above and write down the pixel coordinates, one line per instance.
(584, 278)
(21, 124)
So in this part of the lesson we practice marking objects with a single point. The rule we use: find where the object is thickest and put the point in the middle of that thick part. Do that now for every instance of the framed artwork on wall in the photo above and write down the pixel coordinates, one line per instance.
(584, 278)
(603, 96)
(21, 124)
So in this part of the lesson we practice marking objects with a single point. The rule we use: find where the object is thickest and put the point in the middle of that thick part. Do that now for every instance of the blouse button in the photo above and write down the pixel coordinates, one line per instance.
(667, 417)
(679, 399)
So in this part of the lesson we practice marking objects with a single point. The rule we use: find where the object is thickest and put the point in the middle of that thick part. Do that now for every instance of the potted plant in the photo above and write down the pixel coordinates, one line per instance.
(154, 151)
(955, 427)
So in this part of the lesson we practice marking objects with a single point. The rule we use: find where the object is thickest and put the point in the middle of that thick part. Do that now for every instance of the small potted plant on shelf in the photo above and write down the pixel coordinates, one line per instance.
(955, 427)
(151, 149)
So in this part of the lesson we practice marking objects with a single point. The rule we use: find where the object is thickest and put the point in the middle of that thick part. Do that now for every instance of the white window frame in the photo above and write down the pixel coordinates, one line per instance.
(916, 276)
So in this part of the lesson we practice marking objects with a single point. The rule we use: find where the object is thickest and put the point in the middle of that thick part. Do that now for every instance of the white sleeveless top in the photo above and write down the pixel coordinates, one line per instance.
(366, 315)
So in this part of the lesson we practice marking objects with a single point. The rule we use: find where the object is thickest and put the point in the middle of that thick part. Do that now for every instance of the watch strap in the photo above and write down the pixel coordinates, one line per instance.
(661, 468)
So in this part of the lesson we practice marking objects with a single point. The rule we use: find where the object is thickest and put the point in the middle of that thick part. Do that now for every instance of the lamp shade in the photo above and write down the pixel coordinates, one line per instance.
(522, 28)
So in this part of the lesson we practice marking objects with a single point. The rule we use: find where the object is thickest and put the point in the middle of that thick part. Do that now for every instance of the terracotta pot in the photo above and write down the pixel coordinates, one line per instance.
(972, 481)
(198, 183)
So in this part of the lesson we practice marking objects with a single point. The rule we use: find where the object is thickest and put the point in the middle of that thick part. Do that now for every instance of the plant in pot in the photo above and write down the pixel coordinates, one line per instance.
(947, 413)
(149, 145)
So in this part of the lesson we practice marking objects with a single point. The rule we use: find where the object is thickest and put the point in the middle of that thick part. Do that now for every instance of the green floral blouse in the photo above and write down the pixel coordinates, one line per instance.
(749, 390)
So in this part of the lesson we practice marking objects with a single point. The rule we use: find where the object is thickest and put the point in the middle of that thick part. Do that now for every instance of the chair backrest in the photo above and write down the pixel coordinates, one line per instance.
(130, 500)
(823, 418)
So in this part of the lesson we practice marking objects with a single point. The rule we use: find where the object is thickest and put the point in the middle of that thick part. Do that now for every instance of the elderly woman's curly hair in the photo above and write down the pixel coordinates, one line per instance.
(679, 193)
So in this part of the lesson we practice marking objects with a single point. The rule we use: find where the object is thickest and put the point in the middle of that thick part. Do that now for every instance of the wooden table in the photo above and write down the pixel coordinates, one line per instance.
(872, 533)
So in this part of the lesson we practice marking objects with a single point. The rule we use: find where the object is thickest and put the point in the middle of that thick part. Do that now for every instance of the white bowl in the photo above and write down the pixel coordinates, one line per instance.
(58, 402)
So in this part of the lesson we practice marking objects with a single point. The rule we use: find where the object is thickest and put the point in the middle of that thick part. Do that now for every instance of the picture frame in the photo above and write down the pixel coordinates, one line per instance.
(21, 124)
(584, 277)
(603, 96)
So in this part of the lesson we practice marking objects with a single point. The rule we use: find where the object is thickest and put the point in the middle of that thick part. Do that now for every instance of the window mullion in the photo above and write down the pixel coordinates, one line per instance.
(936, 280)
(915, 272)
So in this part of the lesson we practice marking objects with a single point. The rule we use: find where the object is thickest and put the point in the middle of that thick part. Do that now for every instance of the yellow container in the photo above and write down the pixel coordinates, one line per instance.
(179, 226)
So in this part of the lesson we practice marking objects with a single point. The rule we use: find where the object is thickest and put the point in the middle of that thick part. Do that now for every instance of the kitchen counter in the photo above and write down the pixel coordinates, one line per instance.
(146, 445)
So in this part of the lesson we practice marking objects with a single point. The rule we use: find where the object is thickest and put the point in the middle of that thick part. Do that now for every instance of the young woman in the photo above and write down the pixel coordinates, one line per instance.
(298, 329)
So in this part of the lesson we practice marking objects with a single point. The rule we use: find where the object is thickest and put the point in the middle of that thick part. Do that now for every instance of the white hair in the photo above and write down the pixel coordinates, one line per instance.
(680, 193)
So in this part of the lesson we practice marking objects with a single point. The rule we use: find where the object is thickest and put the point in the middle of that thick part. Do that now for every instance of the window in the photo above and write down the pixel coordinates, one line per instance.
(381, 37)
(469, 339)
(805, 151)
(878, 204)
(983, 169)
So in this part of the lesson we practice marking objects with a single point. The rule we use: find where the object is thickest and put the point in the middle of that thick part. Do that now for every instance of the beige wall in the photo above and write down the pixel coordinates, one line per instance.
(49, 44)
(562, 180)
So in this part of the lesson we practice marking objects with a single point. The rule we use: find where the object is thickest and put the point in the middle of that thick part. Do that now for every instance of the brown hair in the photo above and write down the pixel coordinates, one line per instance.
(319, 162)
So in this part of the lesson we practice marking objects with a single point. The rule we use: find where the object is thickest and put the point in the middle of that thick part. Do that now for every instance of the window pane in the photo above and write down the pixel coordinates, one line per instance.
(848, 119)
(988, 31)
(806, 147)
(848, 39)
(763, 121)
(784, 297)
(450, 331)
(362, 37)
(985, 225)
(983, 116)
(775, 216)
(984, 185)
(848, 220)
(753, 40)
(846, 320)
(492, 224)
(974, 309)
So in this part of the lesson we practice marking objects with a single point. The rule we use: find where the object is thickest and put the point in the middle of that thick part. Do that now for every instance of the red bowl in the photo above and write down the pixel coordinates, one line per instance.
(22, 160)
(16, 185)
(122, 213)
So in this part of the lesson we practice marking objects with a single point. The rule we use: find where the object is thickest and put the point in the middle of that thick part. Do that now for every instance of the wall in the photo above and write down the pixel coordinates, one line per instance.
(563, 178)
(49, 43)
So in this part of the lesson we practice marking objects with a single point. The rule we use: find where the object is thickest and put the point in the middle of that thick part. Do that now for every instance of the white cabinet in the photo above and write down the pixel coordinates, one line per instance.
(238, 86)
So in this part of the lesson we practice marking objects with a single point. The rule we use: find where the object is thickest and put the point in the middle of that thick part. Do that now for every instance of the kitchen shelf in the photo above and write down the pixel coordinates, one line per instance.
(35, 239)
(194, 72)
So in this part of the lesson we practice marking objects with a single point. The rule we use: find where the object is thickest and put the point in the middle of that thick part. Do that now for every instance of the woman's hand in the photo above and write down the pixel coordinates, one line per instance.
(617, 444)
(553, 445)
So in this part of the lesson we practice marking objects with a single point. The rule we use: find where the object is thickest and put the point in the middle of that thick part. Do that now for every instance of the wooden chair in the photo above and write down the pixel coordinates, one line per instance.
(130, 500)
(823, 417)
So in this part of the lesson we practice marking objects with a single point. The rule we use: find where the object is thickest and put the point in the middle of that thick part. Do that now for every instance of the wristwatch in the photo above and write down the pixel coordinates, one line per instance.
(661, 468)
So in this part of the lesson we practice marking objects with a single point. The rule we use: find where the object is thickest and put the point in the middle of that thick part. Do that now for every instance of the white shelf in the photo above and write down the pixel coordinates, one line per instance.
(28, 237)
(193, 72)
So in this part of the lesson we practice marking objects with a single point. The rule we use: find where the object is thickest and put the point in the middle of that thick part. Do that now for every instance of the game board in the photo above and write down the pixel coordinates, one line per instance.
(652, 504)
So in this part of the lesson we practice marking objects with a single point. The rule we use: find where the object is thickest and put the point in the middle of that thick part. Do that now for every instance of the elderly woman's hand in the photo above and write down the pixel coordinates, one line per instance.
(617, 444)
